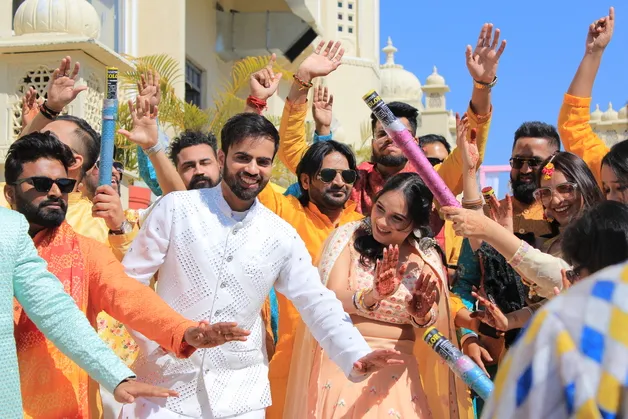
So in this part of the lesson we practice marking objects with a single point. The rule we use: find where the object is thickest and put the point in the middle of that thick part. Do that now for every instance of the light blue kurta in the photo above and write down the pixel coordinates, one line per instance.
(24, 274)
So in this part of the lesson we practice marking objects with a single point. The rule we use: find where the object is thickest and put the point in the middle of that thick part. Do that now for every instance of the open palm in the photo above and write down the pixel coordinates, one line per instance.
(62, 89)
(322, 104)
(144, 133)
(149, 88)
(376, 360)
(323, 60)
(210, 336)
(482, 62)
(387, 276)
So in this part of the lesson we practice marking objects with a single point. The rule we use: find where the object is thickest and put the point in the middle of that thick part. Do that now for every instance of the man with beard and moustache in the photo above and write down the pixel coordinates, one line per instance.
(194, 155)
(38, 188)
(387, 159)
(219, 252)
(487, 269)
(89, 184)
(325, 177)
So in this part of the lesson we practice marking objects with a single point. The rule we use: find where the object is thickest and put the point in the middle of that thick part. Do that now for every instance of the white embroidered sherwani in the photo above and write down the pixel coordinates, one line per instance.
(216, 268)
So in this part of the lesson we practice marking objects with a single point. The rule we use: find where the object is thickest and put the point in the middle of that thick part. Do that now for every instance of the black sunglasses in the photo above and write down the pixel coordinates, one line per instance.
(116, 165)
(518, 162)
(44, 184)
(328, 175)
(434, 160)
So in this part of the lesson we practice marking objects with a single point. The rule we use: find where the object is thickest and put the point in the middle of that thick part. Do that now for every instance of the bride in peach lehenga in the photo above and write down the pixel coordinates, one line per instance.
(390, 278)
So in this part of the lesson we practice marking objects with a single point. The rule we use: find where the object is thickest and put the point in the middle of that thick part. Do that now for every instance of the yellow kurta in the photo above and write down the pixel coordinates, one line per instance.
(79, 216)
(314, 228)
(578, 136)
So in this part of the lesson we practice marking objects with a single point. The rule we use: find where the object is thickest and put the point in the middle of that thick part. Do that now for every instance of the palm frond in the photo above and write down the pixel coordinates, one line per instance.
(167, 67)
(194, 118)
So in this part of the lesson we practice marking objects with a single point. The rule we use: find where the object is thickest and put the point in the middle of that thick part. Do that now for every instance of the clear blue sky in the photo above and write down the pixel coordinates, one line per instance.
(545, 45)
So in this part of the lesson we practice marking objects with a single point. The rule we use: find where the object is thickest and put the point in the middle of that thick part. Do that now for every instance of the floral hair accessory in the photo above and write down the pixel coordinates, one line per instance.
(548, 170)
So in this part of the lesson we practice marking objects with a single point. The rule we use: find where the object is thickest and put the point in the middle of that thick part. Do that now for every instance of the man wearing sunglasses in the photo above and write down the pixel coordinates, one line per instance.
(89, 184)
(533, 143)
(38, 187)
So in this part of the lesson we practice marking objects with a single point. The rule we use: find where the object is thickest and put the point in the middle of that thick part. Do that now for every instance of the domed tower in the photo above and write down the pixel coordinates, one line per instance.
(436, 118)
(398, 84)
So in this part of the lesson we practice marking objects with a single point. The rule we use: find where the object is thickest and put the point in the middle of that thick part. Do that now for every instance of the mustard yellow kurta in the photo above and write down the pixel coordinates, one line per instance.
(314, 228)
(578, 136)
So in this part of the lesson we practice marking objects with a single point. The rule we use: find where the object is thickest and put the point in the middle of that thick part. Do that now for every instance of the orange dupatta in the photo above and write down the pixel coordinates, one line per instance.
(52, 385)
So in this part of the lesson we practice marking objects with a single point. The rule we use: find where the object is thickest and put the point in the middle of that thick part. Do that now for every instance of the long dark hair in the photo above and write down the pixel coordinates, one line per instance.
(599, 238)
(576, 171)
(617, 160)
(419, 201)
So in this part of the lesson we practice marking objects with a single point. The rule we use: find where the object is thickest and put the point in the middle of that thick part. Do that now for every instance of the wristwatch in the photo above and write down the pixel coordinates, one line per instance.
(125, 228)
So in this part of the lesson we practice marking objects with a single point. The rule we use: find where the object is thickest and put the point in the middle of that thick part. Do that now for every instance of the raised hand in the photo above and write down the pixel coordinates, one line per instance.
(387, 276)
(467, 223)
(128, 390)
(491, 315)
(322, 103)
(376, 360)
(144, 116)
(62, 89)
(264, 83)
(467, 144)
(30, 106)
(423, 297)
(148, 88)
(482, 62)
(322, 61)
(210, 336)
(601, 32)
(502, 213)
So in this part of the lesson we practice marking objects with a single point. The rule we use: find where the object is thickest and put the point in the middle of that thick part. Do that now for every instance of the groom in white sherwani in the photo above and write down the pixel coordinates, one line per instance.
(219, 251)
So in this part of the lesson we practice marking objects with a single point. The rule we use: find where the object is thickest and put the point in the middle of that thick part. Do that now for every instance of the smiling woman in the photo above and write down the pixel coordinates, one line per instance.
(388, 273)
(567, 188)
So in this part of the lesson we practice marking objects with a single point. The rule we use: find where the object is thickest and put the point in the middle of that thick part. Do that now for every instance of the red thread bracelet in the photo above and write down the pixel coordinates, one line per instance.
(256, 103)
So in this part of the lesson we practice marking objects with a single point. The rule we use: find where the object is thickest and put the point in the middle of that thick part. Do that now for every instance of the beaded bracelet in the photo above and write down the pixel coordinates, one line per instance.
(304, 85)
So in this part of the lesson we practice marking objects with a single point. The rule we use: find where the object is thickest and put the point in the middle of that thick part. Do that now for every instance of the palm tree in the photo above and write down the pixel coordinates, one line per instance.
(176, 114)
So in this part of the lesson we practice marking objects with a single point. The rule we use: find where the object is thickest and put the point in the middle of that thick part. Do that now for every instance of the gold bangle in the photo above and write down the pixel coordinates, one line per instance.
(472, 205)
(361, 303)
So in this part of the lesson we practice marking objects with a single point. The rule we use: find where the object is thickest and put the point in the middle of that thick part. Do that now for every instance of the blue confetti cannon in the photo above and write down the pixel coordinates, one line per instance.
(460, 364)
(109, 118)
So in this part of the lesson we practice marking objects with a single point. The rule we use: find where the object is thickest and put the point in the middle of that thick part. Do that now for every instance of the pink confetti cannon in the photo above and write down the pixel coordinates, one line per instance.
(404, 140)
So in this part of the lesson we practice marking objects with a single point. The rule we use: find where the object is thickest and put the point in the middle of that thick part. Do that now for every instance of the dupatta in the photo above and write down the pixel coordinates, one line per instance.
(448, 397)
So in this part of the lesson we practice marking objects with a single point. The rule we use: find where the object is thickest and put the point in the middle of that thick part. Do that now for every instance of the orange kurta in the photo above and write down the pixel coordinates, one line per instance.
(314, 228)
(52, 385)
(578, 136)
(80, 217)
